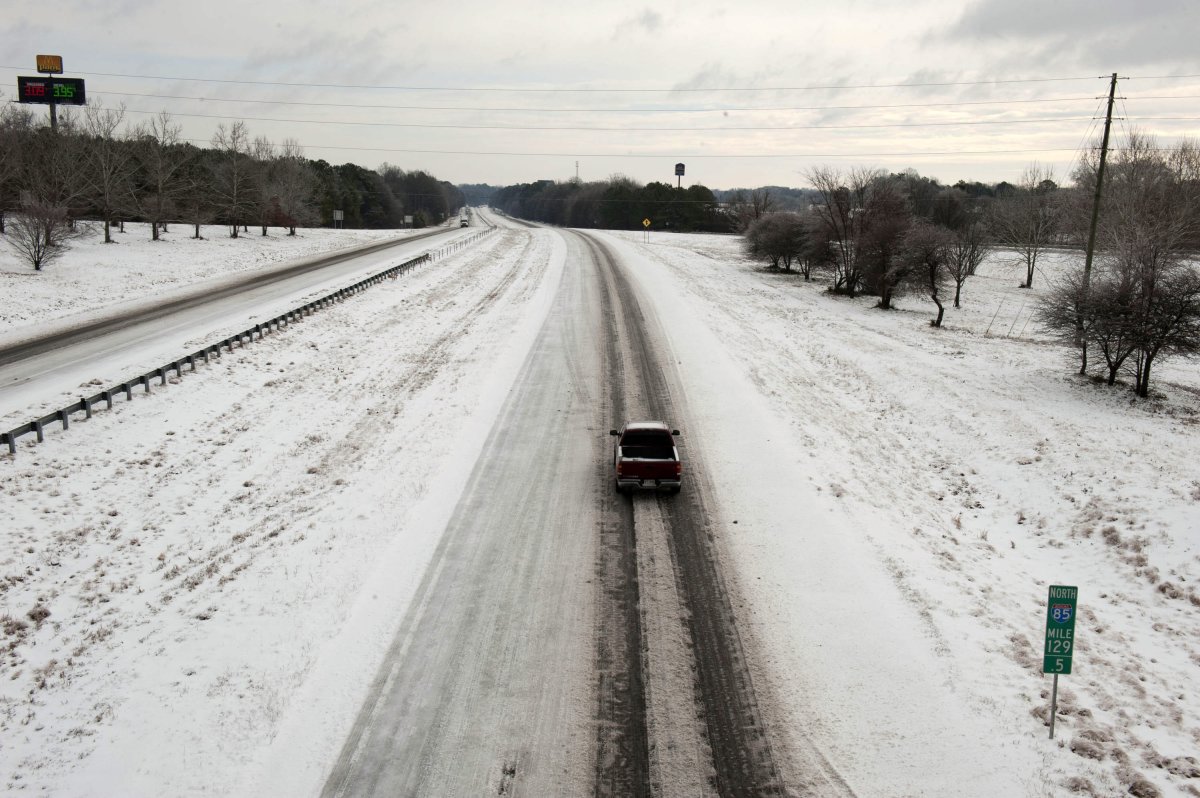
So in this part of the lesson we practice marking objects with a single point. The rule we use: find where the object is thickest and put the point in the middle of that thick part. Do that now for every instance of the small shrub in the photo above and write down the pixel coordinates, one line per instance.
(13, 626)
(1087, 749)
(1185, 766)
(1170, 590)
(1079, 784)
(38, 614)
(1095, 735)
(1140, 788)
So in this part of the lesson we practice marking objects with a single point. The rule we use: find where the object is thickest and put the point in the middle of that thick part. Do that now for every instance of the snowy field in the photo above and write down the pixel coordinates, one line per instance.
(91, 275)
(971, 468)
(191, 584)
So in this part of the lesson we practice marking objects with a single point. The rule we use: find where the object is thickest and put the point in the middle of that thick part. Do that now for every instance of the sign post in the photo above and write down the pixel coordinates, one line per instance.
(1060, 639)
(50, 90)
(679, 175)
(646, 224)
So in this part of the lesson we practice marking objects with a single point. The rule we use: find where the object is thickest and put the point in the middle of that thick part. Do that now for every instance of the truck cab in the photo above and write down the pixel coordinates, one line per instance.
(645, 456)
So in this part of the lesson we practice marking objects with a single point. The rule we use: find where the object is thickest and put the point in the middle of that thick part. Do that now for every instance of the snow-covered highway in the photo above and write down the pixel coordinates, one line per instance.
(380, 553)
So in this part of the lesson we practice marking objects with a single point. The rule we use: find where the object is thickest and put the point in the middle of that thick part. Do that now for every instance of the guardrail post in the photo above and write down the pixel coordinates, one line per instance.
(87, 406)
(11, 441)
(37, 427)
(162, 376)
(64, 417)
(128, 391)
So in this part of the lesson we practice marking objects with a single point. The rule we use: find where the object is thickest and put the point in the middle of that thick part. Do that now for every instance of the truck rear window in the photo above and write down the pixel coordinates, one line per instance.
(648, 445)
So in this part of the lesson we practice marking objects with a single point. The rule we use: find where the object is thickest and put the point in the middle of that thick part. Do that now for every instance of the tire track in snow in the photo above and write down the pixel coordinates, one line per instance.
(741, 755)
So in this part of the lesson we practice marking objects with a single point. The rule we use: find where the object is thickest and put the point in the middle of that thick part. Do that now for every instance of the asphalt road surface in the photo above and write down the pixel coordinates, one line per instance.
(567, 639)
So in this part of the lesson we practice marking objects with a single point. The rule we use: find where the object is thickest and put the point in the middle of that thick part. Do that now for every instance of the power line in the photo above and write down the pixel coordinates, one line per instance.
(566, 90)
(618, 129)
(672, 155)
(1155, 77)
(739, 109)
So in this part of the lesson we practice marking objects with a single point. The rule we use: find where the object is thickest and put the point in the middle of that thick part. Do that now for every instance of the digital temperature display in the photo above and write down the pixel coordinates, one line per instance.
(60, 91)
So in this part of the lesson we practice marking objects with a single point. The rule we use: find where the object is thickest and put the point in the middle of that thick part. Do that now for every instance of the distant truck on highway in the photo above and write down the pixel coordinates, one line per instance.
(645, 456)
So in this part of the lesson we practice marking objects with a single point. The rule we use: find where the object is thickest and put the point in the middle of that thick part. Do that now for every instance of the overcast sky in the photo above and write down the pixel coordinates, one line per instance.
(515, 91)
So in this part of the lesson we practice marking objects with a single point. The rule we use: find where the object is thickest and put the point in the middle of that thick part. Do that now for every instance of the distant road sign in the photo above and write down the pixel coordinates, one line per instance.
(60, 91)
(645, 222)
(679, 169)
(50, 63)
(1060, 629)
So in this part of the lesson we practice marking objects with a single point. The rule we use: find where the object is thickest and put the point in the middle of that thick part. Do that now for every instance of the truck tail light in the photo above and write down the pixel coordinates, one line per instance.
(620, 467)
(678, 469)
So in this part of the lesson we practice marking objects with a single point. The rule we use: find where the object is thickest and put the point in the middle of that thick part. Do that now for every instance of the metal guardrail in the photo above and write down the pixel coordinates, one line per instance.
(87, 405)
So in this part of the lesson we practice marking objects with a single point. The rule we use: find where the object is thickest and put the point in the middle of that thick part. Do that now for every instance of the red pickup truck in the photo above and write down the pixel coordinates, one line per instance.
(645, 457)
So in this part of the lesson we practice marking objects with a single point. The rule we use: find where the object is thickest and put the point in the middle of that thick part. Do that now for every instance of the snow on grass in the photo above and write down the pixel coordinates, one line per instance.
(970, 468)
(195, 588)
(91, 274)
(177, 572)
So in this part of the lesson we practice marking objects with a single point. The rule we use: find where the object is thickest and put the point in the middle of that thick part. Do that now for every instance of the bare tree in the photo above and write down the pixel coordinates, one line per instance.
(1112, 323)
(926, 251)
(1143, 301)
(265, 198)
(233, 187)
(52, 171)
(1150, 222)
(1028, 218)
(965, 252)
(38, 233)
(16, 124)
(163, 159)
(109, 163)
(1170, 323)
(843, 213)
(887, 216)
(295, 185)
(196, 203)
(749, 208)
(777, 237)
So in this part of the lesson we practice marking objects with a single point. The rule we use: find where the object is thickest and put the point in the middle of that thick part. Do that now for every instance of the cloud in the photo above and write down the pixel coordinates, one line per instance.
(648, 21)
(1082, 33)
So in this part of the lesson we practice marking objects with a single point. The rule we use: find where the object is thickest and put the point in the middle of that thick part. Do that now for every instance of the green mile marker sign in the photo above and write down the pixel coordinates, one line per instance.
(1060, 629)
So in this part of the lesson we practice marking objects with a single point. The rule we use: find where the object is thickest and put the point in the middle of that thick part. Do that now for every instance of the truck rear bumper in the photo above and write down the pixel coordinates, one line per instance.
(649, 484)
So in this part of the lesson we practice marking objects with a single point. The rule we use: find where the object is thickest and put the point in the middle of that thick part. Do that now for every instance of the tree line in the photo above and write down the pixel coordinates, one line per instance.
(96, 167)
(618, 203)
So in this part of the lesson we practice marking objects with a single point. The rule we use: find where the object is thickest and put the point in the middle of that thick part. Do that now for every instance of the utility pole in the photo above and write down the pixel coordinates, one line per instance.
(1091, 244)
(577, 171)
